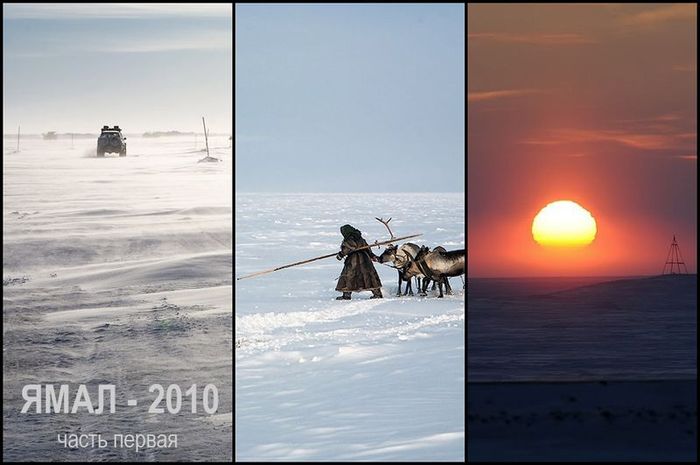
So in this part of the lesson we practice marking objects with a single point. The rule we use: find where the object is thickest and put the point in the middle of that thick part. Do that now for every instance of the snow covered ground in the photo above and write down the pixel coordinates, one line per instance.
(618, 421)
(621, 329)
(320, 379)
(117, 271)
(563, 369)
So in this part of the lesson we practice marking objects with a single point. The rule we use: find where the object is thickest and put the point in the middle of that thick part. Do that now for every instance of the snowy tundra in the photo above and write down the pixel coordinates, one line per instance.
(117, 271)
(320, 379)
(582, 369)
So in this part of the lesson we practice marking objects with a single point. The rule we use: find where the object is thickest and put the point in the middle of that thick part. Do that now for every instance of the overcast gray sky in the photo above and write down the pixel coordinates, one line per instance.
(74, 67)
(350, 98)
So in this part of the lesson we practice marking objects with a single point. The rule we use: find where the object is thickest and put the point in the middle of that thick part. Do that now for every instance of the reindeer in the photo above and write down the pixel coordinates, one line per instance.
(426, 281)
(399, 257)
(437, 265)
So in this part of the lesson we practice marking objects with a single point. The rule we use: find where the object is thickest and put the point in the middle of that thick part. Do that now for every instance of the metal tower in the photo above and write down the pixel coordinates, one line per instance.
(674, 258)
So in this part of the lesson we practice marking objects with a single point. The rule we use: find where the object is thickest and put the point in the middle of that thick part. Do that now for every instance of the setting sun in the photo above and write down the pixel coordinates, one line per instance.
(564, 224)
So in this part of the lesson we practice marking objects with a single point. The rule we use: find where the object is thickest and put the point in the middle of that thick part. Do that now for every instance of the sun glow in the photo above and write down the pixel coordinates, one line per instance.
(564, 224)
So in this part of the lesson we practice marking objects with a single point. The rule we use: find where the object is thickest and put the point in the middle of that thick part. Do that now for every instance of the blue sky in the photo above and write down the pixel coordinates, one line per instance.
(74, 67)
(351, 98)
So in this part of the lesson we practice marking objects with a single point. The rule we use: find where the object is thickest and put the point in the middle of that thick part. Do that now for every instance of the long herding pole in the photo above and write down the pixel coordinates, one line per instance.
(259, 273)
(206, 139)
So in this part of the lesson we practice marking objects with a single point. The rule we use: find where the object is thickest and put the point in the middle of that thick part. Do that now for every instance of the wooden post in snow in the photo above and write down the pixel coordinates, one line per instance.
(206, 139)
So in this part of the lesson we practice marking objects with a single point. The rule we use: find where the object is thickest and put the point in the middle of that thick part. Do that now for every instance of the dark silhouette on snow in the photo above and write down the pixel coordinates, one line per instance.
(358, 273)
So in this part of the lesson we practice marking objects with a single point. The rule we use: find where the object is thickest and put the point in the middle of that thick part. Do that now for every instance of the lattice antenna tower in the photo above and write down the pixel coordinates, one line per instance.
(674, 260)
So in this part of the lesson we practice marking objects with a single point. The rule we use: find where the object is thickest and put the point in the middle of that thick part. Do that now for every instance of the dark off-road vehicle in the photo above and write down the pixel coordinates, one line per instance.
(111, 140)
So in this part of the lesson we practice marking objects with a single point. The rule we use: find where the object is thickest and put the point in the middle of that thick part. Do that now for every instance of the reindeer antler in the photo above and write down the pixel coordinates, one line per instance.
(386, 223)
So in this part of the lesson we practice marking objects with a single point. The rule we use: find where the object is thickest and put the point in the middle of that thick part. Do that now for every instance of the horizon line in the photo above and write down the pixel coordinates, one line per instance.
(138, 133)
(346, 192)
(587, 276)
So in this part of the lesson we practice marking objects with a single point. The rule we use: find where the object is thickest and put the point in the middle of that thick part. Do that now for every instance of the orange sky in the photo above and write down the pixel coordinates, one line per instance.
(591, 103)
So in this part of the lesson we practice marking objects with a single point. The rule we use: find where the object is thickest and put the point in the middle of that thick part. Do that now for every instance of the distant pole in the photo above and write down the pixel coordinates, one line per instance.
(674, 257)
(206, 139)
(18, 138)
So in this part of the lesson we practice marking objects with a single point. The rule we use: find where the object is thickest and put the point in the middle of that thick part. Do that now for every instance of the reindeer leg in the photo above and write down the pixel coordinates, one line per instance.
(440, 287)
(448, 288)
(409, 287)
(398, 293)
(408, 283)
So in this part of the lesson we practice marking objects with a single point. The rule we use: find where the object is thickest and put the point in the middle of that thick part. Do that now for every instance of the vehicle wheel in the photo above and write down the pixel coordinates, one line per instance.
(122, 154)
(100, 154)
